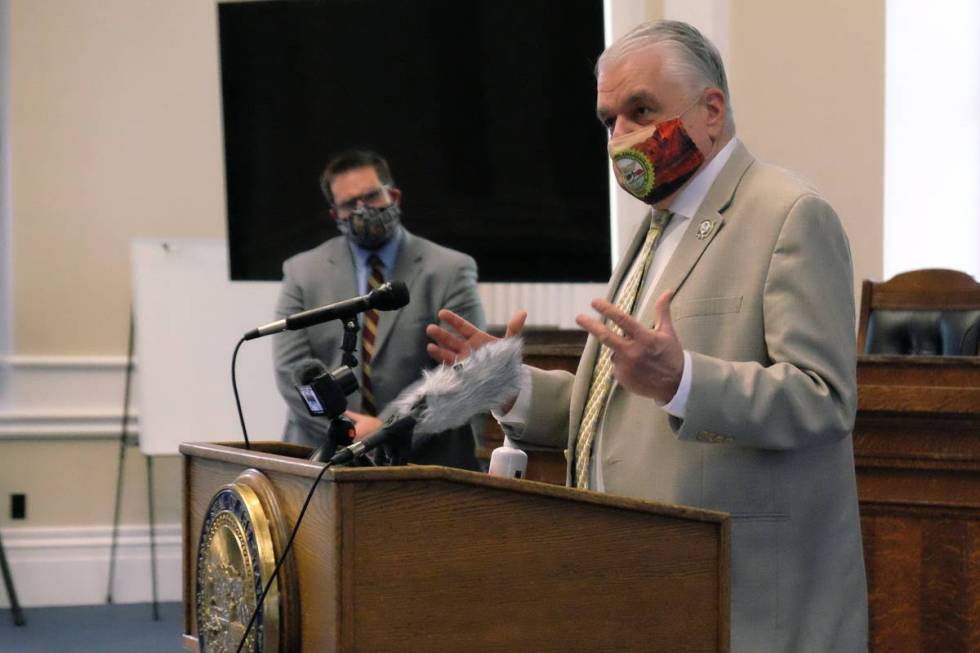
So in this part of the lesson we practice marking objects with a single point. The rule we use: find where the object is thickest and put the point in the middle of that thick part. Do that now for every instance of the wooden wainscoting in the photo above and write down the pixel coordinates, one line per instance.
(917, 453)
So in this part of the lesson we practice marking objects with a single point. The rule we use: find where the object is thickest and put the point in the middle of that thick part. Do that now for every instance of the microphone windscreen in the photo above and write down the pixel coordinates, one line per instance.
(449, 395)
(305, 371)
(389, 296)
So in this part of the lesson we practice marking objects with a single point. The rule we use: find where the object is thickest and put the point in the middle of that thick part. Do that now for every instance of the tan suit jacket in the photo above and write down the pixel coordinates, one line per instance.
(764, 303)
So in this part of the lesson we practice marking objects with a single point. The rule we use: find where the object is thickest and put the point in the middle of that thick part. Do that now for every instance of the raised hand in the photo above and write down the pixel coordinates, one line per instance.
(450, 346)
(648, 362)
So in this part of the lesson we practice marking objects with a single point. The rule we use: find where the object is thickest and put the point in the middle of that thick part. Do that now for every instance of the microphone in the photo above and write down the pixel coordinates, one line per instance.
(386, 297)
(324, 393)
(395, 428)
(449, 395)
(306, 370)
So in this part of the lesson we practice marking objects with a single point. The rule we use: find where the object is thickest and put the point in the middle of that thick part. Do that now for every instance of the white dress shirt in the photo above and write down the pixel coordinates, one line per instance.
(684, 207)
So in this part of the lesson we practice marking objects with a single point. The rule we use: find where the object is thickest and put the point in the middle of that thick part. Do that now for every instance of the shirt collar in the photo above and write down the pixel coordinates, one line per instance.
(387, 252)
(688, 201)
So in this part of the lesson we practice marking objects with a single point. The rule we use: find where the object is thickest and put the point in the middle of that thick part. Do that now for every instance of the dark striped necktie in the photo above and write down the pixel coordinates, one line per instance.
(369, 332)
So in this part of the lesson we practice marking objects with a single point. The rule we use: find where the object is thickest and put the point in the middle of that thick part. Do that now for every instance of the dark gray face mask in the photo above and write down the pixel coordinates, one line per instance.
(370, 227)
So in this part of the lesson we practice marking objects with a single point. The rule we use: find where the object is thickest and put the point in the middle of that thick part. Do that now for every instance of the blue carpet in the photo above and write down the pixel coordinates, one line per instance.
(104, 628)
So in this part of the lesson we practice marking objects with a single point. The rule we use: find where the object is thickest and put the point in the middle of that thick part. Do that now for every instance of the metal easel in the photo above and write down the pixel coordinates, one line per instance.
(8, 580)
(126, 440)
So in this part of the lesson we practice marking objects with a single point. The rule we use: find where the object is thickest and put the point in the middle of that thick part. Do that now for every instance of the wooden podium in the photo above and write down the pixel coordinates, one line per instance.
(435, 559)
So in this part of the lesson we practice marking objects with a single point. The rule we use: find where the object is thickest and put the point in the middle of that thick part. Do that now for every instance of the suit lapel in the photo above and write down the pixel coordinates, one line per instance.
(340, 268)
(408, 266)
(708, 221)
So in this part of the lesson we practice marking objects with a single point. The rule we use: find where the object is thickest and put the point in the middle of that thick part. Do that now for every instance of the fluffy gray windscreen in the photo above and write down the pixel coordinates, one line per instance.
(306, 370)
(448, 396)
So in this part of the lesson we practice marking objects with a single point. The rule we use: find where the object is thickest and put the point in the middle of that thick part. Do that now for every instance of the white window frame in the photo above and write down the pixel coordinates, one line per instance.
(932, 136)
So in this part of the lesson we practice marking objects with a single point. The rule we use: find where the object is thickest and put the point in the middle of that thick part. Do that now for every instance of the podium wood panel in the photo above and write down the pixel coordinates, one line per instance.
(433, 559)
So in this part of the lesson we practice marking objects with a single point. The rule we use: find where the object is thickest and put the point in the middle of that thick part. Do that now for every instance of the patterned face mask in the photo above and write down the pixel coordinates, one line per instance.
(651, 163)
(371, 227)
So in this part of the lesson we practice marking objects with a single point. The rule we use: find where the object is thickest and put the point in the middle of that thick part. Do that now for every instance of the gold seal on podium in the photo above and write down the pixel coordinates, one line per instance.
(236, 557)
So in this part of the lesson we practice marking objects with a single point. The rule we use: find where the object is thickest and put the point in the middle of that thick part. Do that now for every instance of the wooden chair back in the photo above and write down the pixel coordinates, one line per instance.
(918, 290)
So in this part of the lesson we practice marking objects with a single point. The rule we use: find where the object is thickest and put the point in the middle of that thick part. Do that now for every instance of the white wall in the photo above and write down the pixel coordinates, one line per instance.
(113, 131)
(6, 317)
(807, 80)
(116, 113)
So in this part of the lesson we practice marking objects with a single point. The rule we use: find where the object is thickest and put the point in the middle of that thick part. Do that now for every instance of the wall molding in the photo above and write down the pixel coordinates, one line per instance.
(65, 397)
(70, 565)
(34, 362)
(65, 426)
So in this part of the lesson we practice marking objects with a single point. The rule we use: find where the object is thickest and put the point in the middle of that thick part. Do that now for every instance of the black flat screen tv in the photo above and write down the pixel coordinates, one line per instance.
(484, 108)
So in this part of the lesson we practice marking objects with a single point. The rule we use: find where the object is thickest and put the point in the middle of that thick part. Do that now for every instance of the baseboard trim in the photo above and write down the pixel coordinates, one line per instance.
(70, 566)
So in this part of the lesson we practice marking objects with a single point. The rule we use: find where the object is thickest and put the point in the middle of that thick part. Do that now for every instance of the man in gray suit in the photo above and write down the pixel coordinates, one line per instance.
(722, 374)
(374, 247)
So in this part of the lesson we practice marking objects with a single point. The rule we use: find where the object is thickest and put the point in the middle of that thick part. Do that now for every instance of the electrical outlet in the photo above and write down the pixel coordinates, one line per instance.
(18, 506)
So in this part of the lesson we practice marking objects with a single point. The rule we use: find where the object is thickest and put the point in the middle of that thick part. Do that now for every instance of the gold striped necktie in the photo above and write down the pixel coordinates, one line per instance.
(369, 332)
(602, 377)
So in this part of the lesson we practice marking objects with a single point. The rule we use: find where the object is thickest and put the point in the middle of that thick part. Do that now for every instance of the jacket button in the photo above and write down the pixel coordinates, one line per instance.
(714, 438)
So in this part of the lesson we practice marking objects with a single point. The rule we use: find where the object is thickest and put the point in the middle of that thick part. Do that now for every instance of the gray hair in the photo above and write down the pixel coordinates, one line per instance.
(694, 57)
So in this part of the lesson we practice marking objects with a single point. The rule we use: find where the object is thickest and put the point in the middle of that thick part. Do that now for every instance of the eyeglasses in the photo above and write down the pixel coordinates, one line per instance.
(369, 198)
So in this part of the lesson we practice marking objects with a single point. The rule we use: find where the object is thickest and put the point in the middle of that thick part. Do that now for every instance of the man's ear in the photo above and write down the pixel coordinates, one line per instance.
(714, 102)
(396, 195)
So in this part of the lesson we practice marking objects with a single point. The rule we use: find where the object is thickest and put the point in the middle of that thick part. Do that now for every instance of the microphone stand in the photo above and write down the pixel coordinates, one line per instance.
(340, 429)
(349, 344)
(338, 435)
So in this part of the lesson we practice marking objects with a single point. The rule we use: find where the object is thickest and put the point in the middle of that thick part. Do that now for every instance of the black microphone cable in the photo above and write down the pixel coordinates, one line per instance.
(285, 552)
(234, 387)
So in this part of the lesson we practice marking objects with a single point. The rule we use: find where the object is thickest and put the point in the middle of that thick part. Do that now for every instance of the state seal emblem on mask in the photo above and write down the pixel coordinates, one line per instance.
(636, 173)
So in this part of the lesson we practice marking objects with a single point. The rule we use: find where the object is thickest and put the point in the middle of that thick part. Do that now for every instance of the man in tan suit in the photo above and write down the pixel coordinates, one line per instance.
(722, 374)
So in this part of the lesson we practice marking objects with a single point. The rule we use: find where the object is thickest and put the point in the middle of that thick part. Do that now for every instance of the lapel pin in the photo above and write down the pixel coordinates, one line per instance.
(704, 229)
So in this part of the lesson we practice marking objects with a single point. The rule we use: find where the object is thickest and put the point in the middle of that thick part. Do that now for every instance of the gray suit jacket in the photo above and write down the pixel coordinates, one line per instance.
(765, 305)
(437, 277)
